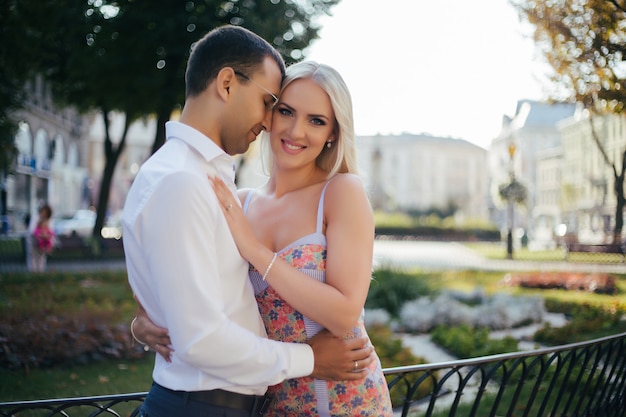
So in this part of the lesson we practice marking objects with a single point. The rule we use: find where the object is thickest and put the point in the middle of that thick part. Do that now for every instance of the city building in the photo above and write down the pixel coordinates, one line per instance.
(587, 196)
(419, 173)
(51, 161)
(527, 150)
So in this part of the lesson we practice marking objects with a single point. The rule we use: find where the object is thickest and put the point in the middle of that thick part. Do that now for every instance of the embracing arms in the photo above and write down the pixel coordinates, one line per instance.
(336, 304)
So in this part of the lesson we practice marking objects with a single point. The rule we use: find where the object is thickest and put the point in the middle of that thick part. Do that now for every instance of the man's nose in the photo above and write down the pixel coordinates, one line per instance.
(267, 121)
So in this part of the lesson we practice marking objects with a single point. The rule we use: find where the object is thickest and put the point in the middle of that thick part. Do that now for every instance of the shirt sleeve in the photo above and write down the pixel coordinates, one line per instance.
(180, 231)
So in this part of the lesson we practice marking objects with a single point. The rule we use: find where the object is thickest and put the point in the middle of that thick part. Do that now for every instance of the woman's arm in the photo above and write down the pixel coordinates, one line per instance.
(336, 304)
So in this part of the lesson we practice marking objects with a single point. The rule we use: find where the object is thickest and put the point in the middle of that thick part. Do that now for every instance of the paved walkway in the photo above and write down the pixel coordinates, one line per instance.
(455, 256)
(71, 266)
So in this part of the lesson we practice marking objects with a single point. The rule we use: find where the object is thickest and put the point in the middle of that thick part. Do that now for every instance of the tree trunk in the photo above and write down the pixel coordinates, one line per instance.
(103, 196)
(621, 202)
(619, 183)
(111, 153)
(619, 213)
(159, 138)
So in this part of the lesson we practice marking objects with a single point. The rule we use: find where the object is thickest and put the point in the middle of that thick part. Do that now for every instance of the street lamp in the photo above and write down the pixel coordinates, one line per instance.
(512, 192)
(509, 236)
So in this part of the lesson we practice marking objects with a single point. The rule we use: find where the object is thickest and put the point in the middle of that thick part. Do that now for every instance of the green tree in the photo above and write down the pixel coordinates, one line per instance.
(18, 52)
(16, 56)
(584, 41)
(129, 56)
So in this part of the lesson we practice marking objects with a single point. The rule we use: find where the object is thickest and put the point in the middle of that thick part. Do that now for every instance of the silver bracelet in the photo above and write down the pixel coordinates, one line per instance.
(145, 346)
(267, 271)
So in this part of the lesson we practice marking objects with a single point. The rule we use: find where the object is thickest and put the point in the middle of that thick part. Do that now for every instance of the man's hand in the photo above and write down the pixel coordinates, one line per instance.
(337, 359)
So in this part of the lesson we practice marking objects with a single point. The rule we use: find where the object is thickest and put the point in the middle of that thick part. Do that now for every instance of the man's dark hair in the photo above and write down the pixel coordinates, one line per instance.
(226, 46)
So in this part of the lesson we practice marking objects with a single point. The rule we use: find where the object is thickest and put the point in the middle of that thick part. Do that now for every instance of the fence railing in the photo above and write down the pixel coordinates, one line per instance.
(580, 379)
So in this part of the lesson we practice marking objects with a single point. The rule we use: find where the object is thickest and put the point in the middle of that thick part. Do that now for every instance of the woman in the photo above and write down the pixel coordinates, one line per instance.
(308, 235)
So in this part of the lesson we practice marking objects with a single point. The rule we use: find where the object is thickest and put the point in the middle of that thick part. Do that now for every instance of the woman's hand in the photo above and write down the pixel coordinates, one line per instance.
(240, 228)
(146, 332)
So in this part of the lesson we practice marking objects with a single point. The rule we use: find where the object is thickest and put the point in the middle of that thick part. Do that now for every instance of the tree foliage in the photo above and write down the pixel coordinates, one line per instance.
(16, 56)
(130, 56)
(584, 41)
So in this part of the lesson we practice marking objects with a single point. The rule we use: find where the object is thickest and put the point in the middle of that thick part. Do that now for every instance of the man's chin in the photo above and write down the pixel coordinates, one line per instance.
(245, 147)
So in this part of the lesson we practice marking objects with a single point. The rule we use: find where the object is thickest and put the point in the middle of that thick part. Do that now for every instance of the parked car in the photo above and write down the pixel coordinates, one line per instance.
(81, 223)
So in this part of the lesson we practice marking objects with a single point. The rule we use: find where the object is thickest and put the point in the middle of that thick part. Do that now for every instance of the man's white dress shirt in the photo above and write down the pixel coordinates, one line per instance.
(185, 269)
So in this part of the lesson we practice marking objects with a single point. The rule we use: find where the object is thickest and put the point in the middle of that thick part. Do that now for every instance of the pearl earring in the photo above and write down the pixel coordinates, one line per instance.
(329, 144)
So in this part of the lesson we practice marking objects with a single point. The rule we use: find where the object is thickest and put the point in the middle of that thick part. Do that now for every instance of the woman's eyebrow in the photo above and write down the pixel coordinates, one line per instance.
(322, 116)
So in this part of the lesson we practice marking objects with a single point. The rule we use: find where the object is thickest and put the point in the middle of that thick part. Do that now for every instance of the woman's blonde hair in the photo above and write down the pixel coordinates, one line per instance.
(341, 156)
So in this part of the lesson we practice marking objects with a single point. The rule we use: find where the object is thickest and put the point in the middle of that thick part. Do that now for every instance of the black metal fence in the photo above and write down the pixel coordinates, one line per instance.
(581, 379)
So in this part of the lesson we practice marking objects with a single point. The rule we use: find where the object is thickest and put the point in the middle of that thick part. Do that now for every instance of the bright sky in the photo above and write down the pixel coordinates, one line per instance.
(450, 68)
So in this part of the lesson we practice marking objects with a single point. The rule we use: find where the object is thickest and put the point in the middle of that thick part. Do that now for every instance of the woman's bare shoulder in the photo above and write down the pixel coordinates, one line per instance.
(345, 190)
(346, 182)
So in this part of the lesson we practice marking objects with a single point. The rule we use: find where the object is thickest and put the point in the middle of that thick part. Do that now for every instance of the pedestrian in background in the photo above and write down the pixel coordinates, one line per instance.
(42, 240)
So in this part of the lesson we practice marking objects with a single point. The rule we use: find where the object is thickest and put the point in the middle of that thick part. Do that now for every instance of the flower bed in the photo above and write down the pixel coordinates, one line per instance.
(600, 283)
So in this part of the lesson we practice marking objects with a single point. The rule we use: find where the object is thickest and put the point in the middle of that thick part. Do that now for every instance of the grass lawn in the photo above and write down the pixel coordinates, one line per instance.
(99, 378)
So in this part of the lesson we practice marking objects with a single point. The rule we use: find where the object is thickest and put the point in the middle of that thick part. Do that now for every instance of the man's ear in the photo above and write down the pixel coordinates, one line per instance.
(224, 80)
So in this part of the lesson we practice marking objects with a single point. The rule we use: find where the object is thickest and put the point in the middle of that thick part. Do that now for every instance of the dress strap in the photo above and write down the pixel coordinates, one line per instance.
(246, 202)
(320, 209)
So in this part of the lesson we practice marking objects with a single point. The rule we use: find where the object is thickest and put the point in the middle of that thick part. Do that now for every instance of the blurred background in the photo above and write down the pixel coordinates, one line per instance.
(499, 124)
(491, 137)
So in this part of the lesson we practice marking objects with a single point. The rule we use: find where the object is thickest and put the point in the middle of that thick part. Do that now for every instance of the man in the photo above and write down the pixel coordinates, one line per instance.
(182, 262)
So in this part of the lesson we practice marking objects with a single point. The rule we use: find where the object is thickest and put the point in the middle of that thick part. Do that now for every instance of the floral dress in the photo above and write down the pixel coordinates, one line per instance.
(308, 396)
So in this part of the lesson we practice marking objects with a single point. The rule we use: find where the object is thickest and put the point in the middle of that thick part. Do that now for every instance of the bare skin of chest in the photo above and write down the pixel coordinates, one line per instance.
(279, 222)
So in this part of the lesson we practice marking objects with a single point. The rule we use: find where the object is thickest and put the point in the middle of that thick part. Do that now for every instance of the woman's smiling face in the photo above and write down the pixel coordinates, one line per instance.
(302, 123)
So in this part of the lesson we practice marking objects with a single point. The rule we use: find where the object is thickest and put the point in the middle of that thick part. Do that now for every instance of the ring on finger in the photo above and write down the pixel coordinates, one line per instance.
(229, 206)
(356, 365)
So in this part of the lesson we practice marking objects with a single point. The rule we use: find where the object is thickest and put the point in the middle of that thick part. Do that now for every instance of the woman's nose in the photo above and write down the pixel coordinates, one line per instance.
(297, 128)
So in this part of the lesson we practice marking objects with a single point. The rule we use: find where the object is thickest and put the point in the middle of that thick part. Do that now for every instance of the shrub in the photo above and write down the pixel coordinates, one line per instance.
(46, 340)
(389, 290)
(465, 341)
(586, 322)
(64, 318)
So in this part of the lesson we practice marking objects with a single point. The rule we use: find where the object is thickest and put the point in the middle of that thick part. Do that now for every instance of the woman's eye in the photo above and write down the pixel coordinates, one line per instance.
(318, 122)
(284, 111)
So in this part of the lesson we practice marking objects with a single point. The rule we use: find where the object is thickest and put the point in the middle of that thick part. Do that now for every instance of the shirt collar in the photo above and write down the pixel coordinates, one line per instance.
(198, 141)
(194, 138)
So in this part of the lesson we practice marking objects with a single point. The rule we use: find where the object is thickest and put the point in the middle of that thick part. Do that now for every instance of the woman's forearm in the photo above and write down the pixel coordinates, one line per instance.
(319, 301)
